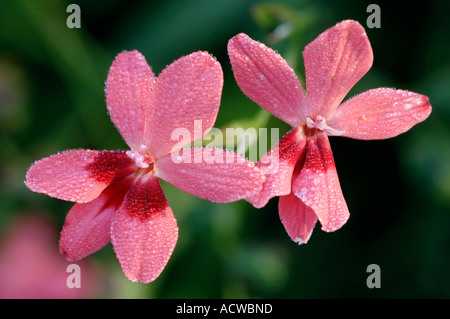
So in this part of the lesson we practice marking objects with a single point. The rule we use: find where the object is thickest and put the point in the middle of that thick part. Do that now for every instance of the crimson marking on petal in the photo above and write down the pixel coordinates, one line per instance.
(325, 155)
(145, 198)
(108, 165)
(318, 185)
(116, 193)
(289, 145)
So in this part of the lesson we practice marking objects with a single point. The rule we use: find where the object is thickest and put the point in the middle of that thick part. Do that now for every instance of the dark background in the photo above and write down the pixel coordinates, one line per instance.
(398, 190)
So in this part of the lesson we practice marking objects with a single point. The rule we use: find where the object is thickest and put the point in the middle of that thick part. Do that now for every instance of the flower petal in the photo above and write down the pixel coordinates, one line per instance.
(380, 113)
(317, 185)
(129, 96)
(87, 226)
(144, 231)
(298, 219)
(266, 78)
(187, 93)
(278, 165)
(77, 175)
(334, 62)
(212, 174)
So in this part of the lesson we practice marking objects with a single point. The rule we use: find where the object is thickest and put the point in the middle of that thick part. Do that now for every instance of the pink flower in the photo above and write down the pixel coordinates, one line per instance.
(306, 179)
(117, 193)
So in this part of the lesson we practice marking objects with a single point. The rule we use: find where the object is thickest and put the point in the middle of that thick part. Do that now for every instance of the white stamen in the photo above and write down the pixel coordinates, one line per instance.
(138, 158)
(321, 124)
(143, 147)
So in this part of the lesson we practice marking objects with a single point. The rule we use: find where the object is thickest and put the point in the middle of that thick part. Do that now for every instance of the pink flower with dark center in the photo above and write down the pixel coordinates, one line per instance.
(117, 193)
(306, 179)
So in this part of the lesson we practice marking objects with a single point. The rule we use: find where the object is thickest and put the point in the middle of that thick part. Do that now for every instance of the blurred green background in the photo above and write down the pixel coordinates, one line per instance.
(398, 190)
